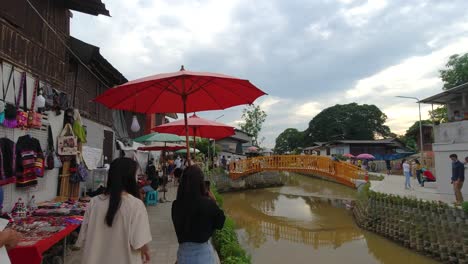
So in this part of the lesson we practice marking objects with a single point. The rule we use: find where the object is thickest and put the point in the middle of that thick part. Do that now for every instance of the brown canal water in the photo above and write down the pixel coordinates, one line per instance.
(306, 221)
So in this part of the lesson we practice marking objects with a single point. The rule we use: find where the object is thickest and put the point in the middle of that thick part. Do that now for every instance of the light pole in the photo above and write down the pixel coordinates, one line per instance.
(214, 141)
(420, 123)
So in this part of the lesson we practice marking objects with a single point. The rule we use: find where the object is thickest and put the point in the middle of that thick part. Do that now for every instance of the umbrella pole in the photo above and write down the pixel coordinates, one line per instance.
(184, 100)
(194, 142)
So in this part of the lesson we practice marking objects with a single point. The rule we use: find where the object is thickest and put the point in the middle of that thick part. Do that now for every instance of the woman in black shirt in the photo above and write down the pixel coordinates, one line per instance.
(195, 217)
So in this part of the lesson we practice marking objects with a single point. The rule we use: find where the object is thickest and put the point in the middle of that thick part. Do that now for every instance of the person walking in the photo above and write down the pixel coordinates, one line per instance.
(407, 172)
(389, 166)
(178, 162)
(458, 177)
(195, 217)
(115, 228)
(418, 169)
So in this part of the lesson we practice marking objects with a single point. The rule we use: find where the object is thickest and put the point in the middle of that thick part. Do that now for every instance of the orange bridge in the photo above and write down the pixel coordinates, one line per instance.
(341, 172)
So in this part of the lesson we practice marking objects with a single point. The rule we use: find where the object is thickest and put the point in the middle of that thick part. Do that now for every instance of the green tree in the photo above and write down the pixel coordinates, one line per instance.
(203, 144)
(456, 72)
(439, 114)
(288, 141)
(411, 136)
(349, 121)
(253, 117)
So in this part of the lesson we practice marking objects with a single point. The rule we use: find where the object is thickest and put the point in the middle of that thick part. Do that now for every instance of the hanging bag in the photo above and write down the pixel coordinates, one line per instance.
(34, 118)
(3, 103)
(67, 142)
(50, 156)
(10, 110)
(22, 115)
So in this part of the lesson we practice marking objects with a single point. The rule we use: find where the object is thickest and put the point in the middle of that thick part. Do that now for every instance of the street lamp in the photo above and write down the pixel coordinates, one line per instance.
(420, 123)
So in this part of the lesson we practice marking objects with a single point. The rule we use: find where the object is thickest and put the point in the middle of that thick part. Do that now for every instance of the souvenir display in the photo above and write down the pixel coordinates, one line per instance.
(78, 129)
(19, 210)
(11, 110)
(32, 203)
(5, 88)
(7, 161)
(22, 116)
(34, 118)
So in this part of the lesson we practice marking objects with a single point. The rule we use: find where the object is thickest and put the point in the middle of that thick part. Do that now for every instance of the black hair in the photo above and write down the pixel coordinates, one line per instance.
(121, 178)
(417, 161)
(207, 185)
(191, 190)
(453, 156)
(403, 161)
(178, 172)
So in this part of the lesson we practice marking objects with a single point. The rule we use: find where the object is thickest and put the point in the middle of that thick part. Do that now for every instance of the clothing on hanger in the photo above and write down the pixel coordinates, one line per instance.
(29, 161)
(7, 161)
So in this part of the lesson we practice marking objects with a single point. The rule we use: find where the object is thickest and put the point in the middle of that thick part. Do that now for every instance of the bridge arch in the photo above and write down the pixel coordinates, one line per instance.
(341, 172)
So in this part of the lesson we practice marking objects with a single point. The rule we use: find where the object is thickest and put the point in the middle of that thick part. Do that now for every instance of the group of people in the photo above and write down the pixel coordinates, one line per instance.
(422, 174)
(116, 228)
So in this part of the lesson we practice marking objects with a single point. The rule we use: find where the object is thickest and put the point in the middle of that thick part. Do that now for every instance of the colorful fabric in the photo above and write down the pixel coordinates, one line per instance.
(29, 161)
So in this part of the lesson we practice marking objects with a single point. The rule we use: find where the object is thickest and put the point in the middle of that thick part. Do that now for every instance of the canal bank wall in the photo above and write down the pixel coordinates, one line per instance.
(264, 179)
(434, 229)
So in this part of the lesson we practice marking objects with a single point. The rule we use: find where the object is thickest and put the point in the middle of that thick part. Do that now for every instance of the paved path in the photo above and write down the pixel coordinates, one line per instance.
(164, 245)
(395, 184)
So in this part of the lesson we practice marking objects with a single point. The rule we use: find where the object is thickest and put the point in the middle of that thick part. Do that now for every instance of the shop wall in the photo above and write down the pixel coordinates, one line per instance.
(95, 132)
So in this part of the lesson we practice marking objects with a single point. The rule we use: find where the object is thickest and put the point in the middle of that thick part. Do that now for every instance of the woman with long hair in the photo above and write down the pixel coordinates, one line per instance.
(195, 217)
(115, 227)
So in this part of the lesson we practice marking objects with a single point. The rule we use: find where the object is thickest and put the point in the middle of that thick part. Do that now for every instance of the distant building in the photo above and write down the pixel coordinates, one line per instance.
(450, 137)
(379, 147)
(235, 145)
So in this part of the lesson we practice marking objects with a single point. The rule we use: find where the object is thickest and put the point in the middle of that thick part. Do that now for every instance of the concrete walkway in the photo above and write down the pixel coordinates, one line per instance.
(395, 184)
(164, 245)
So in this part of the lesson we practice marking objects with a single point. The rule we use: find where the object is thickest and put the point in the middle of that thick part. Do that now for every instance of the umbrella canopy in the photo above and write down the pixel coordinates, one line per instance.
(365, 156)
(184, 151)
(180, 92)
(197, 127)
(162, 146)
(159, 137)
(349, 155)
(252, 149)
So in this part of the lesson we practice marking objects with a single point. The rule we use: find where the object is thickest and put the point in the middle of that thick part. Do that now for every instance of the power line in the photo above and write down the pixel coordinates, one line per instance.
(65, 44)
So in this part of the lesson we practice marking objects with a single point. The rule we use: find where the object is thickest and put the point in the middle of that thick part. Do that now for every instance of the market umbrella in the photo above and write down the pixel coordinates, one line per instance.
(184, 151)
(252, 149)
(157, 146)
(349, 155)
(365, 156)
(197, 127)
(180, 92)
(159, 137)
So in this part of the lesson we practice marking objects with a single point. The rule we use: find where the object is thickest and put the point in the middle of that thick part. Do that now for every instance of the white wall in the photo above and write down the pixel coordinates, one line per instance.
(443, 167)
(335, 149)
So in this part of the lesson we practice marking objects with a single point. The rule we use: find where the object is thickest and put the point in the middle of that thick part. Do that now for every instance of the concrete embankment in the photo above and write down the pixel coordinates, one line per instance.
(258, 180)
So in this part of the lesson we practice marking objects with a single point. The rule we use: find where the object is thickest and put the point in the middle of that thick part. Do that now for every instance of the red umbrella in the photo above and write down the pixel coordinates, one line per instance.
(162, 146)
(180, 92)
(197, 127)
(349, 155)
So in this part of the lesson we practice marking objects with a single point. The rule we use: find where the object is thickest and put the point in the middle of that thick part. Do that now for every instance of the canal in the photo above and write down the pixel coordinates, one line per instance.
(307, 221)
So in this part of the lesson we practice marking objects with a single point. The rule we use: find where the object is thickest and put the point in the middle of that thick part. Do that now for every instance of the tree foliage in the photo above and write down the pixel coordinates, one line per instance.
(439, 114)
(411, 136)
(289, 141)
(349, 121)
(253, 117)
(456, 72)
(203, 144)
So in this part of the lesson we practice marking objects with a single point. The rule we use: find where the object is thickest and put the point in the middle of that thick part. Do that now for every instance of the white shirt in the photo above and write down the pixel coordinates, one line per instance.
(117, 244)
(178, 163)
(406, 167)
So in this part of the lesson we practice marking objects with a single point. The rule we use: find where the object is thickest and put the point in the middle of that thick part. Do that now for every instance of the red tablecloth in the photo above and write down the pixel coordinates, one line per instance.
(32, 254)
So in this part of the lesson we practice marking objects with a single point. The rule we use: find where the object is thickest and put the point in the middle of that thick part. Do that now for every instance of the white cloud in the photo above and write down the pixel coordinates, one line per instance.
(360, 15)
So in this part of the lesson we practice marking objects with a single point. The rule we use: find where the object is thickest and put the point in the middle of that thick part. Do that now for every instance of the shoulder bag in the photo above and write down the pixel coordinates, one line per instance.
(67, 142)
(10, 110)
(5, 92)
(22, 115)
(34, 118)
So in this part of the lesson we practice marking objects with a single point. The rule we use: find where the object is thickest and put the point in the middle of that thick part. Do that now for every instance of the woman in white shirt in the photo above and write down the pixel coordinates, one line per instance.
(115, 227)
(407, 173)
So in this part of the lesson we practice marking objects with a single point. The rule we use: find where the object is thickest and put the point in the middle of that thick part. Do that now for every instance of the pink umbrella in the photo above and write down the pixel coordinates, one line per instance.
(349, 155)
(252, 149)
(365, 156)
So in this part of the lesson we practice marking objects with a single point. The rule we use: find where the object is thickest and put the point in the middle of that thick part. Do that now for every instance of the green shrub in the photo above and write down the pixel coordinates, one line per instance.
(465, 206)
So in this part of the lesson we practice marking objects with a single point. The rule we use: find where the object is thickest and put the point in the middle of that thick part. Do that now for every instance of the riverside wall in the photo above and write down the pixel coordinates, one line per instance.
(264, 179)
(434, 229)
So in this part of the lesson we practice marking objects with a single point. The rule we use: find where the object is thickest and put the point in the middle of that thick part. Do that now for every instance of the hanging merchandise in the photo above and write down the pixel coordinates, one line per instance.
(5, 92)
(10, 110)
(50, 154)
(22, 115)
(78, 128)
(67, 142)
(34, 118)
(79, 173)
(29, 161)
(7, 161)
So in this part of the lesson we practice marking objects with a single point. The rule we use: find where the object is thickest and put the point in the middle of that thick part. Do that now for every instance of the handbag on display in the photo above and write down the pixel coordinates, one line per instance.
(5, 92)
(50, 159)
(34, 118)
(22, 116)
(67, 142)
(10, 110)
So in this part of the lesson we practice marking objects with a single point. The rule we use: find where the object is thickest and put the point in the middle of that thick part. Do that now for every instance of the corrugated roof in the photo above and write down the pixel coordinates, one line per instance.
(379, 141)
(92, 7)
(447, 96)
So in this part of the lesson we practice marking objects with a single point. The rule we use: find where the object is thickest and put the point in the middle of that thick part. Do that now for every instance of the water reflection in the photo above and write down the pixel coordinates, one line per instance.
(305, 221)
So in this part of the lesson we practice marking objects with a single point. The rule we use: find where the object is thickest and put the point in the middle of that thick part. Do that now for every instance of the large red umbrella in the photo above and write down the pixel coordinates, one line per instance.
(180, 92)
(197, 127)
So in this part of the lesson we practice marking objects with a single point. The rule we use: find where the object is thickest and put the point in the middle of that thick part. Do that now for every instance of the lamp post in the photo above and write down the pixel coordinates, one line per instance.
(214, 141)
(420, 123)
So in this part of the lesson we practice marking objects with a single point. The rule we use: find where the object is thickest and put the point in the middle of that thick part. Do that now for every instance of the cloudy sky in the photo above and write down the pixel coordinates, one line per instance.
(307, 55)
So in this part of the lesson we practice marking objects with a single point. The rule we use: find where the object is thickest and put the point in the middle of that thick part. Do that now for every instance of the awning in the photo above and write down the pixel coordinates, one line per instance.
(447, 96)
(135, 146)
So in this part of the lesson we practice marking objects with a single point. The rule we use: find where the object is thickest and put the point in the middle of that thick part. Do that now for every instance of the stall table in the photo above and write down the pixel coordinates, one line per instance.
(31, 252)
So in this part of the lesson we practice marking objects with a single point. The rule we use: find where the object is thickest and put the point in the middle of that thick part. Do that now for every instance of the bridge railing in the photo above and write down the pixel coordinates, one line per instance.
(341, 172)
